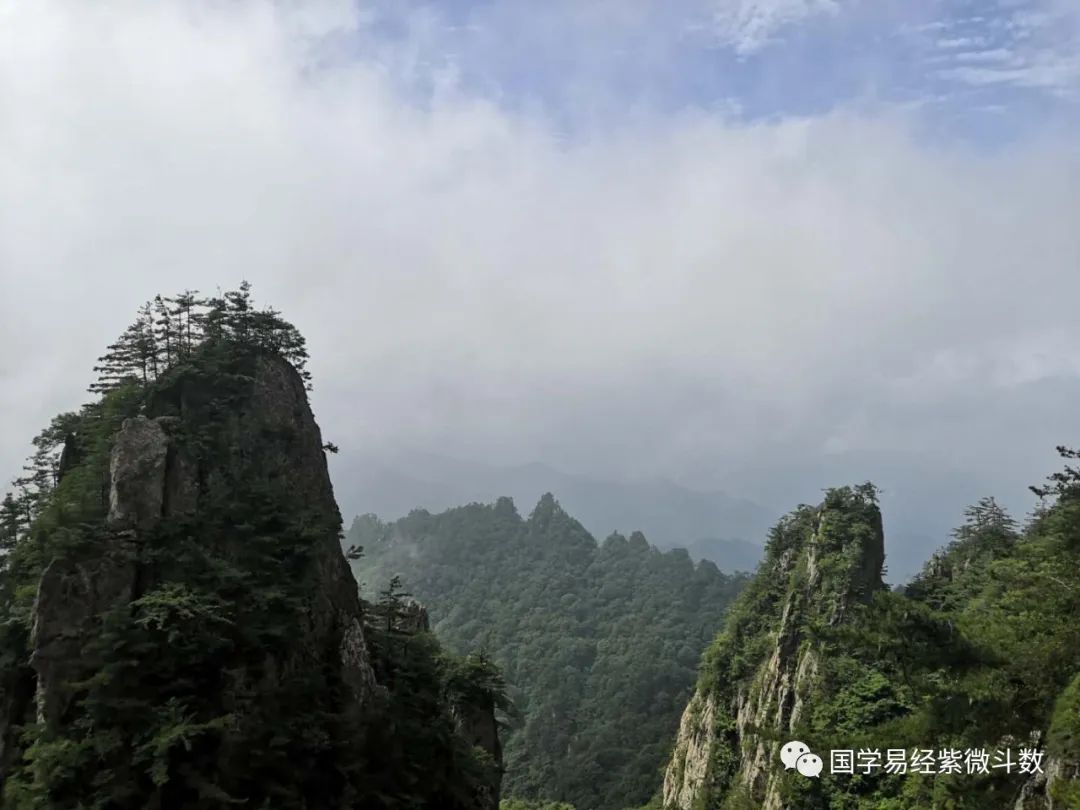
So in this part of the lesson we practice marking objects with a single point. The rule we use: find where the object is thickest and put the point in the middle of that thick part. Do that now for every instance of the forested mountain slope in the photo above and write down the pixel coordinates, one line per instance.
(178, 625)
(711, 525)
(599, 643)
(980, 655)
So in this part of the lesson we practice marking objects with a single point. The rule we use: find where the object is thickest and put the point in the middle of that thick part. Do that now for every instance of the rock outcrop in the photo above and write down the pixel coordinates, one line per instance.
(137, 475)
(1057, 787)
(820, 562)
(1041, 791)
(414, 618)
(71, 596)
(478, 726)
(156, 473)
(684, 778)
(180, 626)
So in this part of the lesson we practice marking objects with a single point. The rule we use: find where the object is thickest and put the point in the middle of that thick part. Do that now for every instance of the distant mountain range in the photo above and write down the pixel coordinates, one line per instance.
(716, 526)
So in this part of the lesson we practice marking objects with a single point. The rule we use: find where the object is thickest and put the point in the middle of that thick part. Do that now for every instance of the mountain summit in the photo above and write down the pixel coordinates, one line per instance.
(181, 628)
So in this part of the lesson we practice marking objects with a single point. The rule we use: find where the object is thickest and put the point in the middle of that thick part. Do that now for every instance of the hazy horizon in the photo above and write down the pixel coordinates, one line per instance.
(761, 247)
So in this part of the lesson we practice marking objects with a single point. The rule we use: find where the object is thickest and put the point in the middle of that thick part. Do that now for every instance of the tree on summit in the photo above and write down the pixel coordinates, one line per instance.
(167, 331)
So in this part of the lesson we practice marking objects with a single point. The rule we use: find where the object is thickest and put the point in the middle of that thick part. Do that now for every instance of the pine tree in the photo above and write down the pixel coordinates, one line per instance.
(184, 311)
(133, 358)
(165, 331)
(118, 365)
(148, 351)
(212, 319)
(391, 606)
(12, 523)
(1064, 483)
(987, 517)
(239, 317)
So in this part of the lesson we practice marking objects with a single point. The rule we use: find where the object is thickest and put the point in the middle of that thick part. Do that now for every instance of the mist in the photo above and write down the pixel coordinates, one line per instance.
(764, 306)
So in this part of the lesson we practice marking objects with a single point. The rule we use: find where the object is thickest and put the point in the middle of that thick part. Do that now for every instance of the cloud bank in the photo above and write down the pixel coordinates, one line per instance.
(746, 305)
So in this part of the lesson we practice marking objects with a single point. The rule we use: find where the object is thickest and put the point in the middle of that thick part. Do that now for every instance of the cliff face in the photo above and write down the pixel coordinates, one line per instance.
(1054, 789)
(476, 723)
(764, 670)
(685, 775)
(205, 634)
(155, 474)
(815, 650)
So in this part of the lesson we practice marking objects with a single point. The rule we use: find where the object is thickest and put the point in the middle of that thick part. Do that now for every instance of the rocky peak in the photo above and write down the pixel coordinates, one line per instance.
(819, 561)
(181, 617)
(157, 470)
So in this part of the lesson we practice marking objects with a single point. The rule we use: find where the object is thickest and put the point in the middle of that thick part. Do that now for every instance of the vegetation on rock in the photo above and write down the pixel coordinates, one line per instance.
(179, 626)
(981, 651)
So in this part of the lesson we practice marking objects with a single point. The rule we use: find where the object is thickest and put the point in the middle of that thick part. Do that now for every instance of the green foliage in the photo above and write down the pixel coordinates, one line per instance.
(981, 650)
(525, 804)
(194, 692)
(414, 755)
(204, 689)
(598, 643)
(169, 331)
(184, 704)
(1063, 739)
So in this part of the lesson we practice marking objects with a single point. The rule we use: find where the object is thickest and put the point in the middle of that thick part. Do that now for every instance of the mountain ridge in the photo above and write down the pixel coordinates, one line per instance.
(598, 640)
(710, 525)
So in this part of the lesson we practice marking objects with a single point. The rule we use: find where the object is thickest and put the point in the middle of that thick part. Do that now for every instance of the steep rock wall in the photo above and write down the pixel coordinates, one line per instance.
(751, 698)
(156, 473)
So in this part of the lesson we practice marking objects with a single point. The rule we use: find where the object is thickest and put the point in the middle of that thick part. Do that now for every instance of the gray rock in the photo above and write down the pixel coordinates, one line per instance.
(265, 436)
(181, 495)
(763, 710)
(71, 596)
(478, 726)
(414, 618)
(685, 776)
(1037, 792)
(137, 474)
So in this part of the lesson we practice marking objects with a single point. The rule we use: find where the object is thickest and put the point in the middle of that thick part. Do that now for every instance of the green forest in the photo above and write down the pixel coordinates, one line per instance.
(980, 652)
(185, 624)
(598, 642)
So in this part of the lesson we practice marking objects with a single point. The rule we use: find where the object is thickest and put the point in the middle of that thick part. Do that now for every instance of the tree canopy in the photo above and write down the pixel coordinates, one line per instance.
(598, 642)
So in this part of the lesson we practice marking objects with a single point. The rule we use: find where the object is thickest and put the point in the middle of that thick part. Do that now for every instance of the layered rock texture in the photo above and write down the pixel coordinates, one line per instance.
(765, 670)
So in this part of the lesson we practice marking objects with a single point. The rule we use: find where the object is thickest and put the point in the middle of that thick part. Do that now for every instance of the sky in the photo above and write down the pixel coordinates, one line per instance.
(766, 246)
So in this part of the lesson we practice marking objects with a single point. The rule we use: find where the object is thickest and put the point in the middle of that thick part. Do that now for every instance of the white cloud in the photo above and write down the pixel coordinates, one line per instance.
(962, 42)
(749, 25)
(989, 55)
(1057, 75)
(1035, 46)
(687, 293)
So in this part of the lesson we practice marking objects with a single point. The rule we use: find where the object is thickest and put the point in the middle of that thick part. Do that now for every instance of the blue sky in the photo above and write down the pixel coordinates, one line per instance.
(987, 70)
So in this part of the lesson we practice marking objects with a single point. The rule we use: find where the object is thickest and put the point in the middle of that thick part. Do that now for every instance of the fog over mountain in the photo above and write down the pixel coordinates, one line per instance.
(711, 524)
(628, 241)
